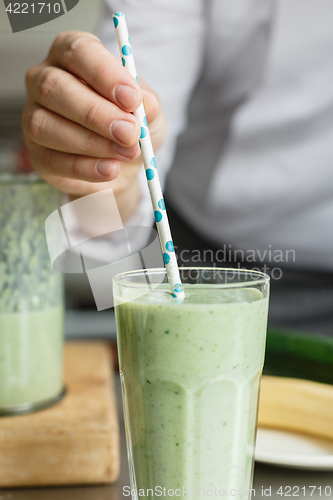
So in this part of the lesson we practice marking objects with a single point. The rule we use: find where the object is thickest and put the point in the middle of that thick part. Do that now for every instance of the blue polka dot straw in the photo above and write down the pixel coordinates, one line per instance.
(149, 162)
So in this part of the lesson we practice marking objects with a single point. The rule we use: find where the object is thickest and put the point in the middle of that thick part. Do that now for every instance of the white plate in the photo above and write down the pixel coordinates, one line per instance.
(289, 449)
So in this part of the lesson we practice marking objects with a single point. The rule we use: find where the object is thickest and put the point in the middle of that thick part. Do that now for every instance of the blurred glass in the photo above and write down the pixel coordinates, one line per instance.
(31, 295)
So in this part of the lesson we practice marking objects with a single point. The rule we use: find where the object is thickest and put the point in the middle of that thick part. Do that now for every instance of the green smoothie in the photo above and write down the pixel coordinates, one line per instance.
(31, 296)
(190, 373)
(30, 356)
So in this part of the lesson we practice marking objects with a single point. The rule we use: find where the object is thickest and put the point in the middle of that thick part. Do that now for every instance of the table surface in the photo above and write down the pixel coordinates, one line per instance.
(265, 477)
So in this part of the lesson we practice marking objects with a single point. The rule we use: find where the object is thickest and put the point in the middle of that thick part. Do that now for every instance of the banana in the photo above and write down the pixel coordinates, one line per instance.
(296, 405)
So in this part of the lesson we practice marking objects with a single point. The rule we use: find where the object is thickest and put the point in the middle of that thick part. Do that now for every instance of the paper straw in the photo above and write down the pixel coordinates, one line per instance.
(162, 223)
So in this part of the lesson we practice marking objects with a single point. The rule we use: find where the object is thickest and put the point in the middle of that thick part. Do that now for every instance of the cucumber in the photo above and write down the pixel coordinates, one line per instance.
(299, 355)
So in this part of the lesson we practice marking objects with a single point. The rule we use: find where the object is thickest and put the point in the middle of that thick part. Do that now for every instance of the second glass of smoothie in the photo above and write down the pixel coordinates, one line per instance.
(190, 376)
(31, 298)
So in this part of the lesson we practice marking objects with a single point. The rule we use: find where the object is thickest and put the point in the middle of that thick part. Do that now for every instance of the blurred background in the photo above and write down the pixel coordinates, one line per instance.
(19, 52)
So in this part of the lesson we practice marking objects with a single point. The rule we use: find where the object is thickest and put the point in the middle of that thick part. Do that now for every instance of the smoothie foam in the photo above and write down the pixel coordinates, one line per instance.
(190, 375)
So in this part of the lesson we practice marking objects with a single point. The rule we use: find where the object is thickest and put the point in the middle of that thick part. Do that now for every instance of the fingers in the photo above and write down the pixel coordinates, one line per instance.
(75, 187)
(151, 105)
(122, 185)
(48, 162)
(83, 55)
(155, 117)
(78, 120)
(67, 96)
(52, 131)
(78, 188)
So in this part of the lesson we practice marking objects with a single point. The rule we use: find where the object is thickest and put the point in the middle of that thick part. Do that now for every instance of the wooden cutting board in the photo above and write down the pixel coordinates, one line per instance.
(75, 441)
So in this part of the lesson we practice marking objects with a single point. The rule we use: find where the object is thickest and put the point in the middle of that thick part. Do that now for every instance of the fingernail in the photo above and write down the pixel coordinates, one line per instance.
(126, 95)
(127, 152)
(104, 167)
(122, 130)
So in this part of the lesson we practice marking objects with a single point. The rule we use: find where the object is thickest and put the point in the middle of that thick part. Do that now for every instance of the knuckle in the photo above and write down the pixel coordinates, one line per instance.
(102, 73)
(36, 158)
(29, 77)
(35, 125)
(77, 167)
(90, 143)
(73, 46)
(59, 42)
(66, 43)
(47, 80)
(60, 38)
(91, 115)
(46, 159)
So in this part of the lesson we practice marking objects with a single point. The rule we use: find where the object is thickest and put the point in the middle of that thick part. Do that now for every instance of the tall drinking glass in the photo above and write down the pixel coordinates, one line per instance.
(190, 375)
(31, 298)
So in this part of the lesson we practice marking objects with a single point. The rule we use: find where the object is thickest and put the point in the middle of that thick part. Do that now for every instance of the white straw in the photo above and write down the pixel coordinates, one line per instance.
(149, 161)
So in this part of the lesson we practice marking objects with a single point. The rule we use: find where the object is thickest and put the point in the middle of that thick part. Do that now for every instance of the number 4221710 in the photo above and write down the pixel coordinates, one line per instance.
(33, 8)
(296, 491)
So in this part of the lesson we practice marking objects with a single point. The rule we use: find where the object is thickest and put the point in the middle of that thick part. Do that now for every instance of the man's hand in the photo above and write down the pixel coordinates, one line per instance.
(78, 124)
